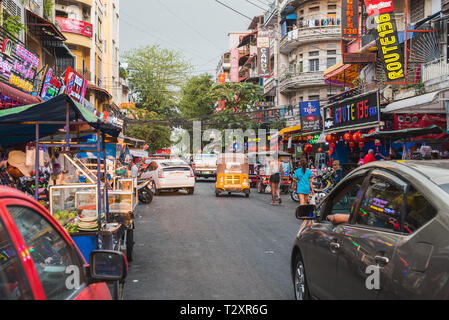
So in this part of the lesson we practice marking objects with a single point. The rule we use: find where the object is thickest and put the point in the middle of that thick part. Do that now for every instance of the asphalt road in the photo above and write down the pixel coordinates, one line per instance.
(202, 247)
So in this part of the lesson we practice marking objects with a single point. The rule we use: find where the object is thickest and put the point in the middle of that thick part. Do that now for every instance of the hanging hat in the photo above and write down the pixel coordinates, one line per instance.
(18, 159)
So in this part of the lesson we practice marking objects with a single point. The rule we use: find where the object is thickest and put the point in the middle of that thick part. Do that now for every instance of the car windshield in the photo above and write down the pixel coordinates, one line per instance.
(445, 187)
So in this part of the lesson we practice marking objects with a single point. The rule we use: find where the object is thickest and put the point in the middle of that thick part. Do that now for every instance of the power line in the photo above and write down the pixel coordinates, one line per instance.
(255, 5)
(223, 4)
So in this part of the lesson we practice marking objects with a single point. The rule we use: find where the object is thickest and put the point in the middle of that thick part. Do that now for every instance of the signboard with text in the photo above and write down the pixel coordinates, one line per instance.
(349, 18)
(76, 85)
(50, 86)
(263, 57)
(75, 26)
(234, 74)
(352, 112)
(387, 37)
(18, 65)
(310, 116)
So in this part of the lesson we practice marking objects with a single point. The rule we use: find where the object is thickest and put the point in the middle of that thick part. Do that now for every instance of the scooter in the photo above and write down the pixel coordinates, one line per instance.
(144, 190)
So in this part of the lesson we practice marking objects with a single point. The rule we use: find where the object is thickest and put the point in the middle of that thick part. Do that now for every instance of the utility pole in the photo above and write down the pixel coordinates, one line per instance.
(278, 53)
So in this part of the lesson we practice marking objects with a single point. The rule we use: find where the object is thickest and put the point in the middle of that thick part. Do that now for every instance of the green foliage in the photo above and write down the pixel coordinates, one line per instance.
(12, 24)
(195, 100)
(48, 8)
(156, 74)
(123, 73)
(241, 99)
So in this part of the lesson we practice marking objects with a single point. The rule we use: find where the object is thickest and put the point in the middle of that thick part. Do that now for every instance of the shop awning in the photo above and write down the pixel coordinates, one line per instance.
(289, 130)
(43, 28)
(138, 153)
(342, 74)
(404, 134)
(425, 103)
(17, 95)
(99, 90)
(17, 125)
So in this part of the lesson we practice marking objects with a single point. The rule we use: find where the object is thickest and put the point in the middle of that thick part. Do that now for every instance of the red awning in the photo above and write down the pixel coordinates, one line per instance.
(18, 95)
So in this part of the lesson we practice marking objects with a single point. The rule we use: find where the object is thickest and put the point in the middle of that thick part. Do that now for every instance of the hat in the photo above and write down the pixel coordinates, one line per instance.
(18, 159)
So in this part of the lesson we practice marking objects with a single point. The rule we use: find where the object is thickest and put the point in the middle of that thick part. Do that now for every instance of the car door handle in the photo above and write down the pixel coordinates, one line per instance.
(382, 259)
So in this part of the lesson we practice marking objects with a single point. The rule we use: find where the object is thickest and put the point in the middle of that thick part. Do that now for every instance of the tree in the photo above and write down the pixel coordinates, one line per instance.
(195, 99)
(240, 100)
(156, 74)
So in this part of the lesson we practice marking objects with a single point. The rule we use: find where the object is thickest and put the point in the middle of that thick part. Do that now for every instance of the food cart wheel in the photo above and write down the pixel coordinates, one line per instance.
(191, 190)
(119, 290)
(129, 243)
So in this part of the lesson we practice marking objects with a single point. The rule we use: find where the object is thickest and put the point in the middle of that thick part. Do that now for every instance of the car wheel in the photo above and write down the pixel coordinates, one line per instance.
(153, 187)
(119, 290)
(300, 283)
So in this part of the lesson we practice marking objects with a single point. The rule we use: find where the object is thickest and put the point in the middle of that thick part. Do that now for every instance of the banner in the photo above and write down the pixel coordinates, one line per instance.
(310, 116)
(387, 37)
(263, 57)
(234, 74)
(352, 112)
(50, 86)
(75, 26)
(349, 18)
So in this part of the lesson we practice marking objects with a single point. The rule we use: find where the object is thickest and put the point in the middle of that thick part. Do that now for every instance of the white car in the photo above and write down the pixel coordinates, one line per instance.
(170, 175)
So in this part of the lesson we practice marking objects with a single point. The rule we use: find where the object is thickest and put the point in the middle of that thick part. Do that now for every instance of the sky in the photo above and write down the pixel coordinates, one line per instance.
(198, 28)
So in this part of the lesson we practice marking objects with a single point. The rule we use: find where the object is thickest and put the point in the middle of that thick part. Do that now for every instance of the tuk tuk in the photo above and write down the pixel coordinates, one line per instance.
(263, 179)
(232, 174)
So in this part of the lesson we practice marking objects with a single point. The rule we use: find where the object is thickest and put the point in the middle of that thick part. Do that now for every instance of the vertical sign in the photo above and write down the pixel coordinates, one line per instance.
(349, 18)
(387, 37)
(234, 74)
(263, 54)
(76, 85)
(310, 116)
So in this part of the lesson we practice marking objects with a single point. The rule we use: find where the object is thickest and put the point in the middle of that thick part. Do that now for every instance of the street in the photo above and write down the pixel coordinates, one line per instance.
(203, 247)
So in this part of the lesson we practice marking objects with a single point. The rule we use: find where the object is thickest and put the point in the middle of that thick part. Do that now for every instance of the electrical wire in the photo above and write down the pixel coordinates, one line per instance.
(236, 11)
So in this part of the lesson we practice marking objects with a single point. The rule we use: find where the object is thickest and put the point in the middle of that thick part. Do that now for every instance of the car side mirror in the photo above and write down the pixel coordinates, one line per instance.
(108, 265)
(307, 212)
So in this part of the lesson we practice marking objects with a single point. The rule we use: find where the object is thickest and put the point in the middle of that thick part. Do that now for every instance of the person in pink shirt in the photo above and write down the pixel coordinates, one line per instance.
(369, 157)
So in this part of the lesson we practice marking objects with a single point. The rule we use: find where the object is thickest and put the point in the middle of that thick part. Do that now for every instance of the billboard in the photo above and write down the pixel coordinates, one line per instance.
(263, 57)
(75, 26)
(387, 39)
(310, 116)
(352, 112)
(349, 18)
(76, 85)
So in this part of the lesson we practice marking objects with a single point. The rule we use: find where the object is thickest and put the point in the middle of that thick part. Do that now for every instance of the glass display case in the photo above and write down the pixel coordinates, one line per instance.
(121, 201)
(76, 206)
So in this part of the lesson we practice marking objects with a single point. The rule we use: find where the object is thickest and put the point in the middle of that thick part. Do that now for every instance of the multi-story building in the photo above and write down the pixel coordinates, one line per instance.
(92, 31)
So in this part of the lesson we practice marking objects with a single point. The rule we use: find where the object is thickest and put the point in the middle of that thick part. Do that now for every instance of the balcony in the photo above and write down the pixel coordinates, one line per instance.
(291, 81)
(435, 75)
(302, 36)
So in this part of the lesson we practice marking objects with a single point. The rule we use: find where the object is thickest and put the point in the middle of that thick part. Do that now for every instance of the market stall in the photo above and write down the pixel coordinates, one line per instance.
(82, 208)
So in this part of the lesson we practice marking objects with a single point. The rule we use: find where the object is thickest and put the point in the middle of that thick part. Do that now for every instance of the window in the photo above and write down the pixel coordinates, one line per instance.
(331, 52)
(50, 253)
(314, 53)
(332, 7)
(419, 211)
(381, 206)
(314, 65)
(331, 62)
(314, 98)
(314, 9)
(13, 283)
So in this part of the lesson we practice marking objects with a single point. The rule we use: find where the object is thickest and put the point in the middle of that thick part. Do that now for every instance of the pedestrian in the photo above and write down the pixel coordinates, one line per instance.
(369, 157)
(275, 179)
(394, 155)
(134, 170)
(362, 156)
(305, 186)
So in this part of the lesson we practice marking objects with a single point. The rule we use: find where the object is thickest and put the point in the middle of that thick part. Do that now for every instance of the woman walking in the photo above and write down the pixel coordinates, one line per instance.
(305, 186)
(275, 179)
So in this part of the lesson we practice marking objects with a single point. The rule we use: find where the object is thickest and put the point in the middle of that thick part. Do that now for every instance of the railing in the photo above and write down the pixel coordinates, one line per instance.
(303, 79)
(311, 34)
(435, 69)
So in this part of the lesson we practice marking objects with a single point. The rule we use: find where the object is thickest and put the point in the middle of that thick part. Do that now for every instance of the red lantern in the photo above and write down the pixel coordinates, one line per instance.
(348, 137)
(308, 148)
(377, 143)
(330, 139)
(357, 137)
(361, 145)
(320, 150)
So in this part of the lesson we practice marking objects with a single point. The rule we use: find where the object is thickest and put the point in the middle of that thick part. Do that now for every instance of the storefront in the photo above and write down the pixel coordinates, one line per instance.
(344, 122)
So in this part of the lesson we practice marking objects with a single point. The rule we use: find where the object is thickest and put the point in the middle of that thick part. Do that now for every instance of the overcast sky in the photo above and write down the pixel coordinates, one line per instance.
(199, 27)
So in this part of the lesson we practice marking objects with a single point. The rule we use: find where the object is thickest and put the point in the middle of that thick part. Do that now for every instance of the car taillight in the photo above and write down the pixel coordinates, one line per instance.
(194, 165)
(161, 175)
(192, 174)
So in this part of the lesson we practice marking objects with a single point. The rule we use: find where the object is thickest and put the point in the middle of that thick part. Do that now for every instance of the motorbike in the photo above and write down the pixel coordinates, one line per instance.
(144, 190)
(28, 186)
(322, 185)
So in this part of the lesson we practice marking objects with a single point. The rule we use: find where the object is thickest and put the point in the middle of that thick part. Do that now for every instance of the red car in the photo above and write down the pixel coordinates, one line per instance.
(39, 260)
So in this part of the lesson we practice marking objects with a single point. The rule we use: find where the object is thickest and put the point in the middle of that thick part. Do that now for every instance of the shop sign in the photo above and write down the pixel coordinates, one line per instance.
(221, 78)
(234, 74)
(50, 86)
(359, 57)
(263, 55)
(352, 112)
(75, 26)
(18, 66)
(350, 18)
(310, 116)
(76, 85)
(387, 37)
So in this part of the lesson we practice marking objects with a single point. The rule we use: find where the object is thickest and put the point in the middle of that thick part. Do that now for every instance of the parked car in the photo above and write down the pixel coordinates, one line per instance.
(170, 175)
(205, 165)
(392, 242)
(39, 260)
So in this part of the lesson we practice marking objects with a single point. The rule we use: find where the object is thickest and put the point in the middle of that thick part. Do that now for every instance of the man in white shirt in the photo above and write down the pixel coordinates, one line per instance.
(134, 170)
